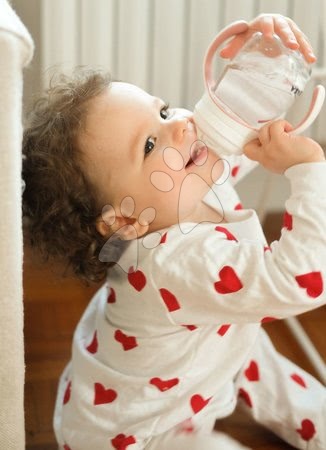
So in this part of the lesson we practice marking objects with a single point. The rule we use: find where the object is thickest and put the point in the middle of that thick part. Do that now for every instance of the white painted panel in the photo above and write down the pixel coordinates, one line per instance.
(203, 27)
(96, 37)
(59, 34)
(167, 51)
(322, 33)
(134, 22)
(274, 7)
(307, 17)
(244, 10)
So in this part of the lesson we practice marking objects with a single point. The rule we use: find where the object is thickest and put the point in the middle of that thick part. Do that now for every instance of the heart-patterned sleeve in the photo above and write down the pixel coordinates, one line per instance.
(240, 166)
(227, 274)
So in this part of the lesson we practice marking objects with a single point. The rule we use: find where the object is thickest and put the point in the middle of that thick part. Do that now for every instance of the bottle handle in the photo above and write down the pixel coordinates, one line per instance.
(231, 30)
(316, 104)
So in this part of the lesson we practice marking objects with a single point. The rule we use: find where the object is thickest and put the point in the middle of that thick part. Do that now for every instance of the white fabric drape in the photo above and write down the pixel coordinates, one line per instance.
(16, 49)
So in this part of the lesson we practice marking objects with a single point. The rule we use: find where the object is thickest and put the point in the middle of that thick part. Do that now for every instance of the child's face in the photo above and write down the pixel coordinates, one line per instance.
(135, 147)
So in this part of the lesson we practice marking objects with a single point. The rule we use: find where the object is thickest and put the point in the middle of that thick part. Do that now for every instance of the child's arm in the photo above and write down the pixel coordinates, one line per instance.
(226, 274)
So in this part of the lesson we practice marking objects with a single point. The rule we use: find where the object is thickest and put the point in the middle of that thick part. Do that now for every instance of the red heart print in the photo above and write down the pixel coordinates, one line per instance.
(267, 248)
(66, 447)
(190, 327)
(238, 206)
(307, 430)
(121, 441)
(164, 385)
(128, 342)
(229, 281)
(102, 395)
(170, 300)
(299, 380)
(223, 329)
(312, 282)
(93, 346)
(229, 236)
(267, 319)
(197, 403)
(163, 238)
(287, 221)
(111, 296)
(252, 371)
(137, 279)
(235, 171)
(245, 396)
(67, 394)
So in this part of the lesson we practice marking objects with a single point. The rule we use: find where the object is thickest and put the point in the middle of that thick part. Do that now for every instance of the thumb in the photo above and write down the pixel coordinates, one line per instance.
(253, 150)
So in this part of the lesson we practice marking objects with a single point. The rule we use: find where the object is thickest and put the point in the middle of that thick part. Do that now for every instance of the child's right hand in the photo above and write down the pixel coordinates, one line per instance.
(277, 150)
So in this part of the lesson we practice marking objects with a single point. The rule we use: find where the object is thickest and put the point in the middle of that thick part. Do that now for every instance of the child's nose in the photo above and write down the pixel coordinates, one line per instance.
(178, 126)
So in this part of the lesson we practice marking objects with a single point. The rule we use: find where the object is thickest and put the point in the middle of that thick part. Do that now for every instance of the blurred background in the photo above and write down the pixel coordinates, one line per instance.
(158, 45)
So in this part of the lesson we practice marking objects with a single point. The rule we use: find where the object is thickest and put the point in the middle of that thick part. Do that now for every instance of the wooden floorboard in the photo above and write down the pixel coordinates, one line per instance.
(53, 306)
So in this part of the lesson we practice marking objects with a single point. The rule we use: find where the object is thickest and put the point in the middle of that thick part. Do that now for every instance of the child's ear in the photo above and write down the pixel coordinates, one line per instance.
(127, 228)
(105, 222)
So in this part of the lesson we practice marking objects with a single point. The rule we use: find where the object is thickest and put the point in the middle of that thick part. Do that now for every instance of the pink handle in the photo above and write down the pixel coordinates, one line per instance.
(316, 104)
(227, 32)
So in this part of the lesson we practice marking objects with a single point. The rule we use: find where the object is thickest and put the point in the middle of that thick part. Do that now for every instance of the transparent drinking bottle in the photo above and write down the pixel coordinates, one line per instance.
(262, 82)
(259, 84)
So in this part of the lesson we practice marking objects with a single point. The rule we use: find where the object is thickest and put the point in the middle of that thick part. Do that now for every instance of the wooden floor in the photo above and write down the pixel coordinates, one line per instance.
(53, 306)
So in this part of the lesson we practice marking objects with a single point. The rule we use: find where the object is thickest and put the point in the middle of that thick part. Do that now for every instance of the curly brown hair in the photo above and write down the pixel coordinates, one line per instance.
(59, 202)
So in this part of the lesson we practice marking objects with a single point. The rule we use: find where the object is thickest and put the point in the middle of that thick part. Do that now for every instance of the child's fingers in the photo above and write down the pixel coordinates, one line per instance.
(290, 34)
(264, 134)
(272, 132)
(233, 46)
(278, 128)
(294, 38)
(267, 26)
(284, 30)
(253, 150)
(304, 44)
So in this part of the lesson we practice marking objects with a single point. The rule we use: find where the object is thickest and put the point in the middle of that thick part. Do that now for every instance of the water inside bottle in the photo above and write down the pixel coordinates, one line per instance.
(252, 96)
(261, 86)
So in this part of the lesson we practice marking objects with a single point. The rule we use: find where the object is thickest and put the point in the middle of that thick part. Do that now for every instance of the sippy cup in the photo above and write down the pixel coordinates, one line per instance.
(259, 84)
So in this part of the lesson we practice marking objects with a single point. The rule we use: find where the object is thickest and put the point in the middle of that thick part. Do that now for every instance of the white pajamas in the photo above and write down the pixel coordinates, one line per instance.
(165, 349)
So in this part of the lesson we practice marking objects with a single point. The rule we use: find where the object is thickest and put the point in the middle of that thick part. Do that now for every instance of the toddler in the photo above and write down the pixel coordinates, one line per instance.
(119, 187)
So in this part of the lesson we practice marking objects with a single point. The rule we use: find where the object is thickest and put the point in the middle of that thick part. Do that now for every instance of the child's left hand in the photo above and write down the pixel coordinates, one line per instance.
(277, 150)
(269, 24)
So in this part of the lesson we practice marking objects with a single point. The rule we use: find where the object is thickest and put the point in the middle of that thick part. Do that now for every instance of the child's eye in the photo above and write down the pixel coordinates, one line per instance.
(149, 145)
(164, 113)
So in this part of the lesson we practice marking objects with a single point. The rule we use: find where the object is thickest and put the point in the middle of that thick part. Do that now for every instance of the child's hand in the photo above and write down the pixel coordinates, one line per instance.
(277, 150)
(269, 24)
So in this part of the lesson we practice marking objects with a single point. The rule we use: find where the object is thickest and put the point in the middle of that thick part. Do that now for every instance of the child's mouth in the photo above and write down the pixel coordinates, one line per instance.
(198, 154)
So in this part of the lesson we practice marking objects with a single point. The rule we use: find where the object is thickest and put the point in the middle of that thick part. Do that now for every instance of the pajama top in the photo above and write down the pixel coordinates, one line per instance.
(165, 336)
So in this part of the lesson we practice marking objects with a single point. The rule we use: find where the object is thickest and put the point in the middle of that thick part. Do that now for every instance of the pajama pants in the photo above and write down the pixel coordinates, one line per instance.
(276, 393)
